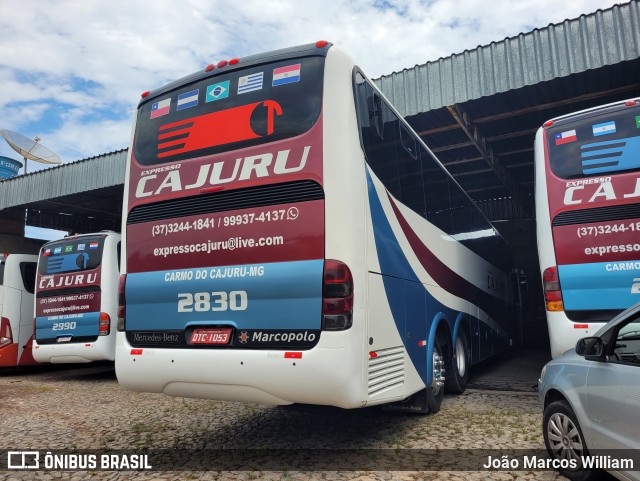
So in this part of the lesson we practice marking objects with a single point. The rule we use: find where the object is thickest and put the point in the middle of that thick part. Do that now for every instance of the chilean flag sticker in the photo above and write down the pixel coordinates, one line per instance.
(566, 137)
(160, 108)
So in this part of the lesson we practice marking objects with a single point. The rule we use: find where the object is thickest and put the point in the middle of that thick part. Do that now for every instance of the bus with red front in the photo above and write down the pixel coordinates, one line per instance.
(288, 238)
(587, 174)
(17, 281)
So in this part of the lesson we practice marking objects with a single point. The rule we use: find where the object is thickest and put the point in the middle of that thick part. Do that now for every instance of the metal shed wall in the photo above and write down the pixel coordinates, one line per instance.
(604, 37)
(84, 175)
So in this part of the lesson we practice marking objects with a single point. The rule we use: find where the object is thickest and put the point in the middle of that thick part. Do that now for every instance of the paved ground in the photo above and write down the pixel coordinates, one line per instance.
(83, 408)
(518, 371)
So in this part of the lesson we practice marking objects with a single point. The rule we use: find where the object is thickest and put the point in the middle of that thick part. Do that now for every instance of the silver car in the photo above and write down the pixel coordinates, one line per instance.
(591, 401)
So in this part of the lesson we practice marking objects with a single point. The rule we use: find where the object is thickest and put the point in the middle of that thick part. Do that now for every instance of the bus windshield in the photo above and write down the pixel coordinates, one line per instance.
(595, 143)
(240, 109)
(71, 255)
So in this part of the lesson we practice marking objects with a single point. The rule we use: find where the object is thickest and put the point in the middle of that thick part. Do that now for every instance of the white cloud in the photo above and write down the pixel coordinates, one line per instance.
(72, 71)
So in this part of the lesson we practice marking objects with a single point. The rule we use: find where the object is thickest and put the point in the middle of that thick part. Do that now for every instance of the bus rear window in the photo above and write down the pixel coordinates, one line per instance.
(225, 112)
(591, 144)
(73, 255)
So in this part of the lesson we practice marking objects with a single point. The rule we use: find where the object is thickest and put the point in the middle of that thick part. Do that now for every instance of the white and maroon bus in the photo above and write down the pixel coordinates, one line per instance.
(587, 172)
(76, 299)
(287, 238)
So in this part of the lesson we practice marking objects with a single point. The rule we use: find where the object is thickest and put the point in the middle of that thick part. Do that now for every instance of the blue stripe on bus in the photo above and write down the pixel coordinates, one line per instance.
(281, 295)
(412, 307)
(85, 324)
(598, 286)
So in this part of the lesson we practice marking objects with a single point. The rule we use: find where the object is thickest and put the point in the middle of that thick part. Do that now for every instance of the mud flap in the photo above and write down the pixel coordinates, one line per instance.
(416, 403)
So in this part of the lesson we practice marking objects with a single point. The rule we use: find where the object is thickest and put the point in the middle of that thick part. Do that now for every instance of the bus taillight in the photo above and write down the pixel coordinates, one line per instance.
(122, 302)
(552, 292)
(337, 296)
(104, 325)
(6, 335)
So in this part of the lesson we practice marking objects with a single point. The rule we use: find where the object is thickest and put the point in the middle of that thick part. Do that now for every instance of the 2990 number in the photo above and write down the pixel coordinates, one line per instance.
(212, 301)
(63, 326)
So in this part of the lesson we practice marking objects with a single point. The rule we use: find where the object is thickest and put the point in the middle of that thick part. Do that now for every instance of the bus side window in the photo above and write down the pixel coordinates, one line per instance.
(118, 255)
(28, 273)
(375, 113)
(378, 141)
(436, 186)
(410, 172)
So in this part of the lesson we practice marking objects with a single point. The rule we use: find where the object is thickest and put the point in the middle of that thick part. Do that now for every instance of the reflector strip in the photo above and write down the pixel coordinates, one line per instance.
(422, 343)
(136, 352)
(293, 355)
(581, 326)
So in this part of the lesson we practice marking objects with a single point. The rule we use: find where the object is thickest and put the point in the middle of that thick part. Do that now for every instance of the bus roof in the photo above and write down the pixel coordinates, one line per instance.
(598, 108)
(318, 48)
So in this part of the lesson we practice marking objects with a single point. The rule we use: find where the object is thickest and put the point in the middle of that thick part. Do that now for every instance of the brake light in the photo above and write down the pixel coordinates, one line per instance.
(6, 335)
(552, 292)
(104, 325)
(337, 296)
(122, 302)
(548, 123)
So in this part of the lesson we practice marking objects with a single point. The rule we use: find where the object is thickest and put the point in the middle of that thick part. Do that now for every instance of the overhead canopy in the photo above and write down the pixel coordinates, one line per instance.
(479, 110)
(82, 196)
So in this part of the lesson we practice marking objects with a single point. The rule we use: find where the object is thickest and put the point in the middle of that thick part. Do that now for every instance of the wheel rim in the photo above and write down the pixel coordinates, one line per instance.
(461, 357)
(564, 437)
(438, 372)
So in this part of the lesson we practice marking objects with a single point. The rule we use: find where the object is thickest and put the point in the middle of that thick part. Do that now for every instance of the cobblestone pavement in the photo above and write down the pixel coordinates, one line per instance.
(85, 408)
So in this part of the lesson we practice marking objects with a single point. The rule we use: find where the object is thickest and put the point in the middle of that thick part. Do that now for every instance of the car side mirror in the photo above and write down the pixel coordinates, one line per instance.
(591, 348)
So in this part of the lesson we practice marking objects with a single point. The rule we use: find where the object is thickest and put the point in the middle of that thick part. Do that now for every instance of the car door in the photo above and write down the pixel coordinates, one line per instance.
(613, 390)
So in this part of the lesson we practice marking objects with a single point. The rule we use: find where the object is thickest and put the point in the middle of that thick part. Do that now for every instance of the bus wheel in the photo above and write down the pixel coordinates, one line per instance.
(456, 381)
(435, 392)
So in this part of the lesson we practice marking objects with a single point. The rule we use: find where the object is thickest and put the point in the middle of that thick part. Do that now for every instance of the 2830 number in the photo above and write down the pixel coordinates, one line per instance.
(212, 301)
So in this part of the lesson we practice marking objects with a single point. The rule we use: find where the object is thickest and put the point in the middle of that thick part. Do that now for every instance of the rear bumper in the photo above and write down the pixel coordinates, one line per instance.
(103, 349)
(329, 374)
(564, 333)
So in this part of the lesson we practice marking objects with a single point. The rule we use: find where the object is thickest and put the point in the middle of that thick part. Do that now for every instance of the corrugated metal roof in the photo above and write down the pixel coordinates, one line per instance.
(590, 41)
(104, 170)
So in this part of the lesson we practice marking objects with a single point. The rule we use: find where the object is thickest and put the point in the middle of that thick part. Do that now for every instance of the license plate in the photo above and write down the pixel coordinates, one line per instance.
(211, 336)
(63, 339)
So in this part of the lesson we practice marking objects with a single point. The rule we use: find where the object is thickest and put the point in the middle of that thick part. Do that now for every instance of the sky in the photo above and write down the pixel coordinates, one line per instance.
(72, 71)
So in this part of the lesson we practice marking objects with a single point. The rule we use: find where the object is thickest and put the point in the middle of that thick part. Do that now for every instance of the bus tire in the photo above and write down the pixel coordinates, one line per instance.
(457, 374)
(435, 392)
